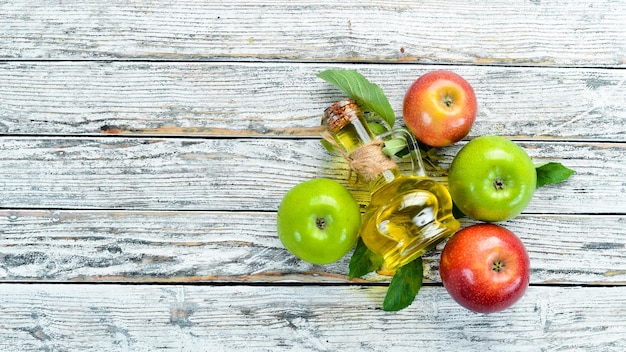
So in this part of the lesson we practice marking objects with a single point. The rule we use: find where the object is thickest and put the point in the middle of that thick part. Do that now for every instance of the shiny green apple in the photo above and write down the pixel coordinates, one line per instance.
(492, 179)
(318, 221)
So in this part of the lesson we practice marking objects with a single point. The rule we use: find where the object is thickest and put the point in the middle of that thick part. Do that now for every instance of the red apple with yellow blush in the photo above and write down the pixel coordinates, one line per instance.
(439, 108)
(485, 268)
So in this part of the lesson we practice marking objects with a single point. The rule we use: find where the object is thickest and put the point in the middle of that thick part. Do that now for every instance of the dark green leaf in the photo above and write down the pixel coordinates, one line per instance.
(404, 285)
(368, 95)
(456, 212)
(552, 173)
(363, 261)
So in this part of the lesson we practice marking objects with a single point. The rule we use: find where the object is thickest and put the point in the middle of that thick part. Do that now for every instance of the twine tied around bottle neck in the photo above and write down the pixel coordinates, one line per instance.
(367, 161)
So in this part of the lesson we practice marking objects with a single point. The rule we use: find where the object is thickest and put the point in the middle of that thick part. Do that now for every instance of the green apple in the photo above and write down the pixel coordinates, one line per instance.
(318, 221)
(492, 179)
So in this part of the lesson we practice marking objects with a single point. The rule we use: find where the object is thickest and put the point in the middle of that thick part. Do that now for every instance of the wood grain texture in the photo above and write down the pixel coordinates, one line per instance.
(145, 147)
(529, 33)
(342, 318)
(247, 174)
(287, 100)
(223, 247)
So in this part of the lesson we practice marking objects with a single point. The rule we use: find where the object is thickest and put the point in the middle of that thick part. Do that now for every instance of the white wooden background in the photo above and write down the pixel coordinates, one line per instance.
(145, 147)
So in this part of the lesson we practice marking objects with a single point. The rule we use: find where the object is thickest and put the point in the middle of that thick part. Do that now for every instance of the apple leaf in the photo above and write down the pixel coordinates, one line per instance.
(376, 128)
(395, 146)
(367, 94)
(456, 212)
(363, 261)
(430, 156)
(552, 173)
(404, 285)
(329, 147)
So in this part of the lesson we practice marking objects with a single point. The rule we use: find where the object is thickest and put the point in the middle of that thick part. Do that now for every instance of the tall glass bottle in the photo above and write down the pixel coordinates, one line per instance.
(407, 215)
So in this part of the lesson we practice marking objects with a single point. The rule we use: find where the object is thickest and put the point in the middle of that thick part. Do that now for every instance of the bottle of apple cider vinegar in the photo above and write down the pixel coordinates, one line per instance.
(407, 215)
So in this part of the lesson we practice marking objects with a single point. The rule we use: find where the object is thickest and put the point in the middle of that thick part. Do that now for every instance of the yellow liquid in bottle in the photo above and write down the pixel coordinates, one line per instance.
(405, 218)
(352, 135)
(407, 215)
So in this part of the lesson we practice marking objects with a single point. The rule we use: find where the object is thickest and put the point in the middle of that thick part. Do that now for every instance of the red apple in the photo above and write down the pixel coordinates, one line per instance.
(439, 108)
(485, 268)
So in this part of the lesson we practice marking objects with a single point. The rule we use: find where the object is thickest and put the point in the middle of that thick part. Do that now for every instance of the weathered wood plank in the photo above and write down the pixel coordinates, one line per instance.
(260, 100)
(184, 247)
(306, 318)
(247, 174)
(573, 33)
(134, 209)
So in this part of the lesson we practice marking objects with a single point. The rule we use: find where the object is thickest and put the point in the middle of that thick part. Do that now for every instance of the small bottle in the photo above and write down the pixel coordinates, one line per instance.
(407, 215)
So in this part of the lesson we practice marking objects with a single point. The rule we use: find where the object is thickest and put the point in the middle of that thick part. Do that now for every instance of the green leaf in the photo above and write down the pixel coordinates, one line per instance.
(430, 156)
(329, 147)
(394, 146)
(552, 173)
(456, 212)
(363, 261)
(367, 94)
(377, 128)
(404, 285)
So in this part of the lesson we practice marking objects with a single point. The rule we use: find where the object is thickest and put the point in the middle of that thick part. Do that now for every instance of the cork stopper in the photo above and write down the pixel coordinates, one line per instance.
(341, 113)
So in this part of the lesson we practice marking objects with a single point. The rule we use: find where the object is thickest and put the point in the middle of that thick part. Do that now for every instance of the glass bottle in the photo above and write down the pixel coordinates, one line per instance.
(407, 215)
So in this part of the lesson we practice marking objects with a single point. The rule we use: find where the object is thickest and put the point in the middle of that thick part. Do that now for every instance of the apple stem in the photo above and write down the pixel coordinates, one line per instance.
(320, 223)
(498, 184)
(448, 101)
(497, 266)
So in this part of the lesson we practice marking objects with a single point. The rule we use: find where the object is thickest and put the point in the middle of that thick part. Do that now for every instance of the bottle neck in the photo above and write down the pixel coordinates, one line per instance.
(386, 177)
(365, 154)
